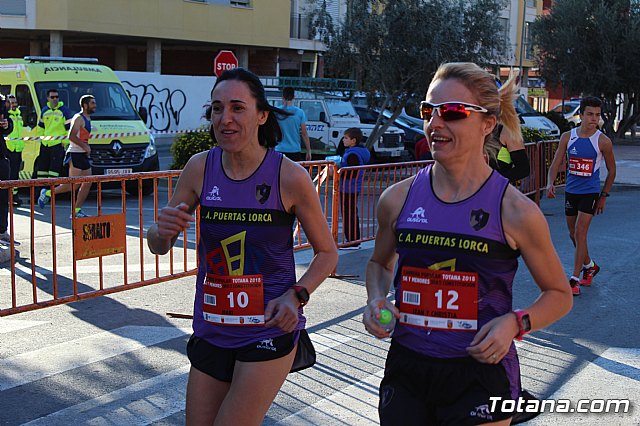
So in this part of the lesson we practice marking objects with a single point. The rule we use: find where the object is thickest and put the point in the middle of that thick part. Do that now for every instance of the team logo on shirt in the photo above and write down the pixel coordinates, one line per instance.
(479, 219)
(418, 216)
(214, 194)
(262, 193)
(573, 151)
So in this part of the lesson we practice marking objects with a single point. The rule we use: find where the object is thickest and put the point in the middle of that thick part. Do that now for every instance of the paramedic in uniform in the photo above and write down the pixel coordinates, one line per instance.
(55, 121)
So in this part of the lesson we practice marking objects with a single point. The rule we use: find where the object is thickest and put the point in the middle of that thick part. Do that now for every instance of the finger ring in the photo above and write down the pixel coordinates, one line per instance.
(493, 357)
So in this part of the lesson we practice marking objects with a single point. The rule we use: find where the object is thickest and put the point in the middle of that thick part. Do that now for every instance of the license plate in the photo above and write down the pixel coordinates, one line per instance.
(396, 153)
(118, 171)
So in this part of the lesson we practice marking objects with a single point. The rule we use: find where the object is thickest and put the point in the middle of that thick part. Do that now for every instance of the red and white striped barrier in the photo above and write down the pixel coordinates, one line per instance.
(110, 135)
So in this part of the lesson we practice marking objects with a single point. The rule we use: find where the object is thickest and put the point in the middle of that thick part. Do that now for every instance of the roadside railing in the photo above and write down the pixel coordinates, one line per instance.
(57, 258)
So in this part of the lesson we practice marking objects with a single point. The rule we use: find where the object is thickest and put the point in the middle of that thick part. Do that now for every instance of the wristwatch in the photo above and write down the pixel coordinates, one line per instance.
(605, 194)
(524, 323)
(302, 294)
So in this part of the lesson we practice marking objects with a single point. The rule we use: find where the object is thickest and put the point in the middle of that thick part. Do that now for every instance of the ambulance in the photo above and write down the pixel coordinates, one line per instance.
(120, 142)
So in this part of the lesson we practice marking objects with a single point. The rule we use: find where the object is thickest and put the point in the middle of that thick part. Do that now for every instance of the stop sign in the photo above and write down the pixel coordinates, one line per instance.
(225, 60)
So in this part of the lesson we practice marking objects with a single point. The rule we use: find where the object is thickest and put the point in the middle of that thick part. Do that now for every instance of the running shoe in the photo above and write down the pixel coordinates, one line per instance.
(588, 274)
(79, 214)
(5, 239)
(575, 287)
(351, 247)
(43, 199)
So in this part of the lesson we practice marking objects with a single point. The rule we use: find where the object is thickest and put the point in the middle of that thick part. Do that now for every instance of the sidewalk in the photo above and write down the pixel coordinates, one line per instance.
(627, 164)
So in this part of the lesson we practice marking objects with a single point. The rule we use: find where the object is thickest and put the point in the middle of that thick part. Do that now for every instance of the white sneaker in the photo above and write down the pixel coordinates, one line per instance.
(351, 247)
(5, 239)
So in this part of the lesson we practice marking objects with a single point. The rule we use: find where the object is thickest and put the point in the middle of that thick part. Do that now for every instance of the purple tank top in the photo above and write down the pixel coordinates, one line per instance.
(244, 232)
(462, 242)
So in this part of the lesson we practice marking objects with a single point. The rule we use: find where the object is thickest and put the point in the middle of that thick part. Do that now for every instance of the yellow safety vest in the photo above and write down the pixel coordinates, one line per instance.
(15, 145)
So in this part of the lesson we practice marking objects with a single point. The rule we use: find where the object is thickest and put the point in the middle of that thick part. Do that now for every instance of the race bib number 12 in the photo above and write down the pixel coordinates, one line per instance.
(233, 300)
(446, 300)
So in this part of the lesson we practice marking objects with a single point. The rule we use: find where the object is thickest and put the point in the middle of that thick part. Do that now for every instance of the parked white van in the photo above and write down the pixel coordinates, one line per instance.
(329, 116)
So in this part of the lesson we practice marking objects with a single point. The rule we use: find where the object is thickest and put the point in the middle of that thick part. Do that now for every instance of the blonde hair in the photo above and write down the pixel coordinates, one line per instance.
(499, 102)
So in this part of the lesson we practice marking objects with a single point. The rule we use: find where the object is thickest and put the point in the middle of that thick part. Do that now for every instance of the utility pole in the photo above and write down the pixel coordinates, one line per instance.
(524, 13)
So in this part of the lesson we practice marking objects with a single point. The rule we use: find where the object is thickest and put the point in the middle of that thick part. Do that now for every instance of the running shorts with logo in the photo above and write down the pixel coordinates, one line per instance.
(419, 390)
(220, 362)
(573, 203)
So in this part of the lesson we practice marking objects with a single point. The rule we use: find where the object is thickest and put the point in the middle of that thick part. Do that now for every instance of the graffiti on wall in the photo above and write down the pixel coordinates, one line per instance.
(163, 105)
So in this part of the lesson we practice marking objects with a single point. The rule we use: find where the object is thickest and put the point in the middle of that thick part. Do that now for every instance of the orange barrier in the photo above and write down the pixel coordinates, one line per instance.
(108, 252)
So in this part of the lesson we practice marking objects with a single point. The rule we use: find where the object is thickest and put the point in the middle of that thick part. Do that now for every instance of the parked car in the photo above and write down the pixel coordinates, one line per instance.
(412, 132)
(532, 119)
(571, 113)
(329, 116)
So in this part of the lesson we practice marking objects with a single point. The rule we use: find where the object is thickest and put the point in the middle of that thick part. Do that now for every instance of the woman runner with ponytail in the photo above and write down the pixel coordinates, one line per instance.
(454, 233)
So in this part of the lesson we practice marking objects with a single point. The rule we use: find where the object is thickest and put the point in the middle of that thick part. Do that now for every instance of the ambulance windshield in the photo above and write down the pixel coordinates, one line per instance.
(111, 99)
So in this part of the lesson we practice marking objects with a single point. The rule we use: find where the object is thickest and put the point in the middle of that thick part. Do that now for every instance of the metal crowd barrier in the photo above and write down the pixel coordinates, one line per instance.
(63, 259)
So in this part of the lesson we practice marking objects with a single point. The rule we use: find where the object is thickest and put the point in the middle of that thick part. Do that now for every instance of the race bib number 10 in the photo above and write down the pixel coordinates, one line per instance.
(233, 300)
(446, 300)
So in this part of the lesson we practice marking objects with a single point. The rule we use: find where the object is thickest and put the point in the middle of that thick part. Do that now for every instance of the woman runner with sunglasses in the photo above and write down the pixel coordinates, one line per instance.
(456, 230)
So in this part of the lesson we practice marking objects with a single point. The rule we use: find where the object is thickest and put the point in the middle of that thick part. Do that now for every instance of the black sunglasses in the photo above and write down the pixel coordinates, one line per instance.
(54, 97)
(449, 111)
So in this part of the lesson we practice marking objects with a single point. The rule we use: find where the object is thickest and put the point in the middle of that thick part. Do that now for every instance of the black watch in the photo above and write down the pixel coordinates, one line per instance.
(302, 294)
(605, 194)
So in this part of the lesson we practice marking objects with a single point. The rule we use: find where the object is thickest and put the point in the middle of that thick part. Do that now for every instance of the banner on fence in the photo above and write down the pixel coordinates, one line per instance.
(97, 236)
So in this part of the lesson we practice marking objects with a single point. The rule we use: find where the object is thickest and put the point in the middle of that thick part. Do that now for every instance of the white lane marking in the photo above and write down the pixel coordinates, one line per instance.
(354, 405)
(7, 325)
(149, 400)
(27, 367)
(613, 375)
(141, 403)
(325, 341)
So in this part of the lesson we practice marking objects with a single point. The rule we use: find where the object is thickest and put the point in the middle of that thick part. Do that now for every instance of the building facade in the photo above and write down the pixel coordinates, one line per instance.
(179, 37)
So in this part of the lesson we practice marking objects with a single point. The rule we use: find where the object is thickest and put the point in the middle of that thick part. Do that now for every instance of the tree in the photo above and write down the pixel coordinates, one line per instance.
(393, 47)
(592, 47)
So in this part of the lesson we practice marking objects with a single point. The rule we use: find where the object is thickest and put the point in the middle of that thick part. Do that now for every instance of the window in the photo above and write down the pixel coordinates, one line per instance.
(528, 45)
(531, 3)
(312, 109)
(25, 104)
(504, 30)
(240, 3)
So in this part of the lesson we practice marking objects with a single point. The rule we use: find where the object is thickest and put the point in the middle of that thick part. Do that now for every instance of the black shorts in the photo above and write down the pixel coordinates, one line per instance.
(50, 160)
(219, 363)
(586, 203)
(78, 160)
(420, 390)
